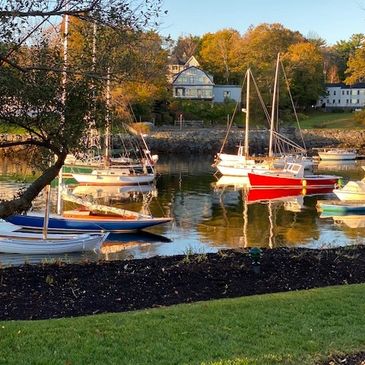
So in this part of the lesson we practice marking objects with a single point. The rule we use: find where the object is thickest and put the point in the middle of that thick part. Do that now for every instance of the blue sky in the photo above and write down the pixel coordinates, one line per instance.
(332, 20)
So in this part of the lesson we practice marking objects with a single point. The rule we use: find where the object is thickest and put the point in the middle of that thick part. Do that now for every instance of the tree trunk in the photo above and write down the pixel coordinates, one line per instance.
(24, 202)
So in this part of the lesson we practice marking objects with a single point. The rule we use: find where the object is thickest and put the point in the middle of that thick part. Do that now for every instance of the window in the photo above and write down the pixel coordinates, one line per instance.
(179, 91)
(226, 94)
(334, 92)
(347, 101)
(347, 92)
(339, 101)
(358, 92)
(333, 101)
(343, 93)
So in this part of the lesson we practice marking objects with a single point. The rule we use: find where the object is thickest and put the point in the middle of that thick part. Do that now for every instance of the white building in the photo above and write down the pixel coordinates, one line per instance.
(342, 96)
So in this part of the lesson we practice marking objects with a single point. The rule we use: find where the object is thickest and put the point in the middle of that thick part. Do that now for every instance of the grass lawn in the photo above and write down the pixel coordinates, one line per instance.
(284, 328)
(329, 120)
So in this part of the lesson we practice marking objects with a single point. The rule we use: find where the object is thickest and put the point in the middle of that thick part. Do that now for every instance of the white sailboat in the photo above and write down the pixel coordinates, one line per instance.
(12, 240)
(129, 174)
(337, 154)
(241, 165)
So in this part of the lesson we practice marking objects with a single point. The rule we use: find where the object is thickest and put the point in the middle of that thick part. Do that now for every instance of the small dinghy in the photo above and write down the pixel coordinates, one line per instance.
(35, 244)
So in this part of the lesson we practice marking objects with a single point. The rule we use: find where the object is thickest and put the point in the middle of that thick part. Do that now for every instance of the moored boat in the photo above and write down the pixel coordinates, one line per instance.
(291, 176)
(113, 176)
(339, 206)
(36, 244)
(337, 154)
(352, 191)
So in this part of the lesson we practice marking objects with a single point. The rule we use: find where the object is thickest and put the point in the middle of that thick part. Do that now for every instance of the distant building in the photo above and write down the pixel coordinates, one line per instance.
(189, 81)
(193, 83)
(175, 67)
(342, 96)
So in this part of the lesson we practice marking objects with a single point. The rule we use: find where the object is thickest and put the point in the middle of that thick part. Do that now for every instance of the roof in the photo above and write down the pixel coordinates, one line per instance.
(210, 77)
(231, 86)
(342, 85)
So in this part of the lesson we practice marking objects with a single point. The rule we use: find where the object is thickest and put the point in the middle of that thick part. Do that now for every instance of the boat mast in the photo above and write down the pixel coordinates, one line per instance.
(46, 213)
(247, 111)
(63, 100)
(107, 120)
(272, 124)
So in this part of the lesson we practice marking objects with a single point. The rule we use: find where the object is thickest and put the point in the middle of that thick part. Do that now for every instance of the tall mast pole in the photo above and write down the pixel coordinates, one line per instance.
(248, 73)
(63, 100)
(272, 124)
(107, 119)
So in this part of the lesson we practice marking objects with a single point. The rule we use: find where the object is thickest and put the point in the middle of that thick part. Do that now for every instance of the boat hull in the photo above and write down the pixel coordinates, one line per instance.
(341, 207)
(85, 224)
(25, 243)
(108, 179)
(337, 156)
(272, 180)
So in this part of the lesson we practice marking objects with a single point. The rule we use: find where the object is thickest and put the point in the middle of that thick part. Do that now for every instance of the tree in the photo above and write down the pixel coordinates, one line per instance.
(344, 51)
(185, 47)
(31, 70)
(259, 49)
(356, 67)
(219, 55)
(304, 67)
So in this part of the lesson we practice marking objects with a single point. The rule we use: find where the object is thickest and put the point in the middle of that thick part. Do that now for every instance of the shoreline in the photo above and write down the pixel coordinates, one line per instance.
(191, 140)
(45, 291)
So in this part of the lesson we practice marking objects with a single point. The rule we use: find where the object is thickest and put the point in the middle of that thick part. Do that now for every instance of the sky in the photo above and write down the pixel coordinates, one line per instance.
(332, 20)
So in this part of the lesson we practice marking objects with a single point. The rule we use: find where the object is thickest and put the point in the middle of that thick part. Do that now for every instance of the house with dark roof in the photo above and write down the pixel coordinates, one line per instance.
(189, 81)
(342, 96)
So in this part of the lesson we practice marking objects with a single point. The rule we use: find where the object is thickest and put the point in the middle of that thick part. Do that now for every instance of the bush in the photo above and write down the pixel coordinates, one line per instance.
(359, 117)
(202, 110)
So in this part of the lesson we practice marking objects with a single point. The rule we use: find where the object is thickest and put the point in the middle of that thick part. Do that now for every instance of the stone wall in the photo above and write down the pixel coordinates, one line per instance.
(209, 140)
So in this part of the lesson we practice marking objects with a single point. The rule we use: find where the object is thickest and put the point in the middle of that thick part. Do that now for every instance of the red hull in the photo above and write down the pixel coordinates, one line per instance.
(271, 180)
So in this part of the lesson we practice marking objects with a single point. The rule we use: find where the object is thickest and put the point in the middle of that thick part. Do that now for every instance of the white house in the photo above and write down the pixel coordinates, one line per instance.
(342, 96)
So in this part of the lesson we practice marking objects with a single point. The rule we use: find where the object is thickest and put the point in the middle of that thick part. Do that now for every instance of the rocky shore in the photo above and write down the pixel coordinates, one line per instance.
(209, 140)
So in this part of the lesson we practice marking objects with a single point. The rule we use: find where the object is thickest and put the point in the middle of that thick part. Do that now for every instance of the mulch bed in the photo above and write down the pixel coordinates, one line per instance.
(63, 290)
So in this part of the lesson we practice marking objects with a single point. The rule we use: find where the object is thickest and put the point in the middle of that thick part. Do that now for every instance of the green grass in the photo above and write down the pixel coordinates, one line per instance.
(329, 120)
(285, 328)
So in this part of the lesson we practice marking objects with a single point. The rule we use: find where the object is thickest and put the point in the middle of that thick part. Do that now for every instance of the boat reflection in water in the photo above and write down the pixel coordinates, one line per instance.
(256, 217)
(334, 165)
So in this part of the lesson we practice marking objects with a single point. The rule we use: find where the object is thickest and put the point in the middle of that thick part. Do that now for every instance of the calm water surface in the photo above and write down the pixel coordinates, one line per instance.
(208, 213)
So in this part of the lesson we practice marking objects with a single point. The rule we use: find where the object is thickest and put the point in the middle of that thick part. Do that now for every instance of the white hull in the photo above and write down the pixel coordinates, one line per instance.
(339, 155)
(113, 177)
(352, 191)
(349, 195)
(240, 169)
(34, 244)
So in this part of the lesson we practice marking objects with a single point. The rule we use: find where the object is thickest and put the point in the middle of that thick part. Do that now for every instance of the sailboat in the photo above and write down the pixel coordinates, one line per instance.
(13, 240)
(241, 165)
(90, 217)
